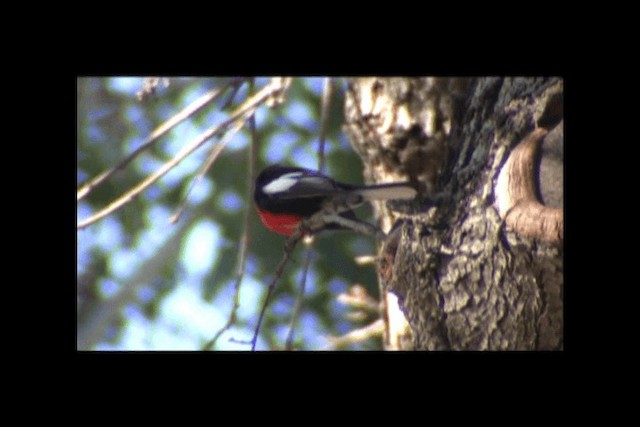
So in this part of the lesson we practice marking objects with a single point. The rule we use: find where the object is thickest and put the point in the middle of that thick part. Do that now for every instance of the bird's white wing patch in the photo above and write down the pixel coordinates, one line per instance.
(283, 183)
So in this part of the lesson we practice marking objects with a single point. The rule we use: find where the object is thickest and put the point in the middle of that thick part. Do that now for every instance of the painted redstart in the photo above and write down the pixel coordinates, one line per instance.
(285, 196)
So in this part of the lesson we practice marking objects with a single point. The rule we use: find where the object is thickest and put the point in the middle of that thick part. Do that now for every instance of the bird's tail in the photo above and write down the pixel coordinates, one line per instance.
(394, 191)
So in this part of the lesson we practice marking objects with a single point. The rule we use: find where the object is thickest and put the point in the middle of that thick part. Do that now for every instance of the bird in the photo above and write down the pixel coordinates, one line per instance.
(286, 195)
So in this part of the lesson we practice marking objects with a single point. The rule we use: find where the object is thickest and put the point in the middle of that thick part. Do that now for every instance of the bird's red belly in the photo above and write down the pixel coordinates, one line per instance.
(280, 223)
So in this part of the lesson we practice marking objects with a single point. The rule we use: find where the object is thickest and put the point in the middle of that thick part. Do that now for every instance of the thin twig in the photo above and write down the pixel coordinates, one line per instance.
(233, 94)
(357, 335)
(213, 156)
(298, 306)
(149, 87)
(246, 109)
(215, 152)
(365, 259)
(358, 298)
(325, 104)
(165, 127)
(246, 237)
(288, 249)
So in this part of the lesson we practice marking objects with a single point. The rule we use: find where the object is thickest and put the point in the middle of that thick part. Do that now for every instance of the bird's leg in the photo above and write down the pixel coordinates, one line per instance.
(320, 220)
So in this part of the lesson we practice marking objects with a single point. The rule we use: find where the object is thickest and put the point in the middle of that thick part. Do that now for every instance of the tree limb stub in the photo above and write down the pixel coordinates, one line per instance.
(516, 194)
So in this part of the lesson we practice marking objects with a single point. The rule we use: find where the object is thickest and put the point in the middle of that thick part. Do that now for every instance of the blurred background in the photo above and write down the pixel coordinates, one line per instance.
(144, 283)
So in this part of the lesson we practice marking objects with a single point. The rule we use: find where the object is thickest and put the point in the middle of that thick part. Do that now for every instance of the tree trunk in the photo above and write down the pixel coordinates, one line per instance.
(476, 264)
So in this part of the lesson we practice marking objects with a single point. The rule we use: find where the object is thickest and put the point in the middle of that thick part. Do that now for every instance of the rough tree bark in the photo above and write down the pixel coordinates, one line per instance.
(477, 263)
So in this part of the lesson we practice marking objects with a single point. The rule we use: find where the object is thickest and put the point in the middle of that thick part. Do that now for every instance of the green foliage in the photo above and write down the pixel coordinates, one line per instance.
(111, 123)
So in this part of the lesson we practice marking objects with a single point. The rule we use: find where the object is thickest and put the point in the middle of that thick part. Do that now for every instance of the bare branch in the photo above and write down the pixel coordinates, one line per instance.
(290, 244)
(325, 104)
(149, 86)
(365, 260)
(298, 306)
(516, 198)
(358, 298)
(246, 236)
(267, 94)
(165, 127)
(357, 335)
(213, 156)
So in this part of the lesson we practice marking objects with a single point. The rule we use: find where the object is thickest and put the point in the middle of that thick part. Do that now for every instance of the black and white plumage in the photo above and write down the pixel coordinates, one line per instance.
(285, 195)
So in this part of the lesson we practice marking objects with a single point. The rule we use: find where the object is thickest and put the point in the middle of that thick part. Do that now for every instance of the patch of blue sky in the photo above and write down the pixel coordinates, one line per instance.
(138, 120)
(262, 115)
(107, 346)
(339, 311)
(83, 211)
(153, 193)
(343, 326)
(108, 234)
(108, 288)
(191, 93)
(230, 201)
(281, 331)
(305, 158)
(84, 254)
(135, 114)
(280, 145)
(329, 145)
(166, 111)
(300, 114)
(185, 322)
(125, 85)
(260, 82)
(112, 332)
(158, 217)
(157, 233)
(133, 312)
(183, 173)
(311, 285)
(209, 118)
(95, 134)
(224, 296)
(315, 84)
(187, 311)
(83, 260)
(252, 265)
(199, 248)
(147, 164)
(251, 294)
(146, 293)
(239, 142)
(250, 298)
(98, 112)
(81, 176)
(312, 332)
(200, 191)
(244, 93)
(226, 340)
(132, 336)
(184, 135)
(337, 286)
(85, 238)
(343, 141)
(124, 263)
(279, 120)
(283, 306)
